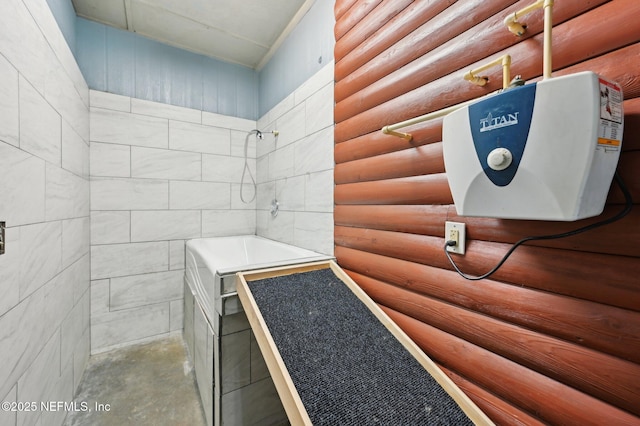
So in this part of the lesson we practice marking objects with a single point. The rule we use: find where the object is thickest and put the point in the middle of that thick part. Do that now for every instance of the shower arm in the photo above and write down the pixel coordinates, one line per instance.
(516, 28)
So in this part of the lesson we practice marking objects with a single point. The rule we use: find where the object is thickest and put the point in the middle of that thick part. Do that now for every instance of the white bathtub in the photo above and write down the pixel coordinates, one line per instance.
(213, 262)
(234, 384)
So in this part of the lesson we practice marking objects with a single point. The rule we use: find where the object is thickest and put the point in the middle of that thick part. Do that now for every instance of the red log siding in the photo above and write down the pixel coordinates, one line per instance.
(553, 336)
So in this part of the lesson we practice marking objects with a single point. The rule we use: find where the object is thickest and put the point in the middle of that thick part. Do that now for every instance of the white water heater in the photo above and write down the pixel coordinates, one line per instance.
(545, 150)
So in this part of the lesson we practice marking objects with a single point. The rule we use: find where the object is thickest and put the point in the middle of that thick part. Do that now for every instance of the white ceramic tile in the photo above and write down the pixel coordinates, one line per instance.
(9, 103)
(99, 298)
(110, 227)
(227, 121)
(291, 126)
(39, 379)
(264, 403)
(129, 194)
(235, 361)
(67, 195)
(266, 193)
(176, 320)
(315, 152)
(75, 239)
(75, 152)
(120, 327)
(10, 263)
(128, 129)
(41, 313)
(71, 330)
(8, 417)
(110, 160)
(165, 164)
(81, 357)
(315, 83)
(319, 192)
(63, 96)
(281, 163)
(117, 260)
(219, 168)
(264, 146)
(237, 203)
(198, 138)
(109, 101)
(319, 110)
(290, 193)
(219, 223)
(187, 195)
(314, 231)
(259, 368)
(238, 139)
(284, 106)
(22, 43)
(165, 225)
(78, 276)
(176, 254)
(262, 169)
(156, 109)
(62, 390)
(40, 125)
(23, 186)
(146, 289)
(280, 228)
(41, 255)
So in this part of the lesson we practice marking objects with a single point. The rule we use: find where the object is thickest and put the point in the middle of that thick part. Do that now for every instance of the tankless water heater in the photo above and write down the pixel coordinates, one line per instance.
(545, 150)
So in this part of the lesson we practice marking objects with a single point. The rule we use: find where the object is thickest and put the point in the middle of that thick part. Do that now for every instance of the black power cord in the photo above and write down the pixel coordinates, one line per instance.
(623, 213)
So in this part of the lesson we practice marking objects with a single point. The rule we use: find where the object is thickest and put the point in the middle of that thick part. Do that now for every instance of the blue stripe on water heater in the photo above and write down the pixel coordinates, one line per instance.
(502, 121)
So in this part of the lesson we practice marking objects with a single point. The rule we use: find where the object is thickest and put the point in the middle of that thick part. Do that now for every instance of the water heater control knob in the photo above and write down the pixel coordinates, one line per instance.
(499, 159)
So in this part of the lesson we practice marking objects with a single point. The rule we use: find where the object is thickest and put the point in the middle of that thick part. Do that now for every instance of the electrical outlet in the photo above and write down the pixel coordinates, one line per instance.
(455, 231)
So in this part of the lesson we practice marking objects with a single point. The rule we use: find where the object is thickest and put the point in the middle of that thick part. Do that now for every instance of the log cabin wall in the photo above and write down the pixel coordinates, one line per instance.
(554, 336)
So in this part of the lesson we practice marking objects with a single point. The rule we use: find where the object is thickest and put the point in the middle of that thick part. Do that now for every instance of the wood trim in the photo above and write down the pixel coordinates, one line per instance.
(284, 384)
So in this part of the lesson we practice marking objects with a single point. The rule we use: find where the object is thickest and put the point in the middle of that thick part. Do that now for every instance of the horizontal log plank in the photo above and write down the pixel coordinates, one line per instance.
(429, 220)
(600, 278)
(604, 328)
(459, 53)
(429, 189)
(499, 410)
(620, 65)
(355, 14)
(377, 143)
(548, 399)
(367, 27)
(614, 381)
(397, 28)
(435, 32)
(423, 160)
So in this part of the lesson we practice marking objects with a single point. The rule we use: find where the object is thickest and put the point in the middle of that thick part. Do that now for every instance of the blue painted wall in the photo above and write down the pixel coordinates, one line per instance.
(306, 50)
(126, 63)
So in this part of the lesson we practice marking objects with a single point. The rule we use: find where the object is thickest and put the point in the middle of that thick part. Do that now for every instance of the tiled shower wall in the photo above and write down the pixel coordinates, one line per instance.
(44, 199)
(160, 175)
(296, 168)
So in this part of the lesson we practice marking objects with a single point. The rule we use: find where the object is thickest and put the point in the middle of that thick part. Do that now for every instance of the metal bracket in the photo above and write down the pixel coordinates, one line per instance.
(2, 237)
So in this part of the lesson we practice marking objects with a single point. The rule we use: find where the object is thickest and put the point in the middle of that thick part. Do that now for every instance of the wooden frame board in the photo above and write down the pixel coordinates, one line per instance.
(284, 384)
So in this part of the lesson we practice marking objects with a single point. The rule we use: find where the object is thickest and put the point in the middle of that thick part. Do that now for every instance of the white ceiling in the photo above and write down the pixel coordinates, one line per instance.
(245, 32)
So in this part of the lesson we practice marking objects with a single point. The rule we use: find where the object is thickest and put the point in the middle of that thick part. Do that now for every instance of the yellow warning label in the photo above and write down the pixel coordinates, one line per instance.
(609, 142)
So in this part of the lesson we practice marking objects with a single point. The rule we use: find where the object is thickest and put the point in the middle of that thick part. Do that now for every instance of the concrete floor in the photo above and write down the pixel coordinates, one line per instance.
(146, 384)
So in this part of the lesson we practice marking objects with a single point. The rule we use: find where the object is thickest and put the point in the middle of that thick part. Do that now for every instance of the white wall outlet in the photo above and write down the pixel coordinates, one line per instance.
(455, 231)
